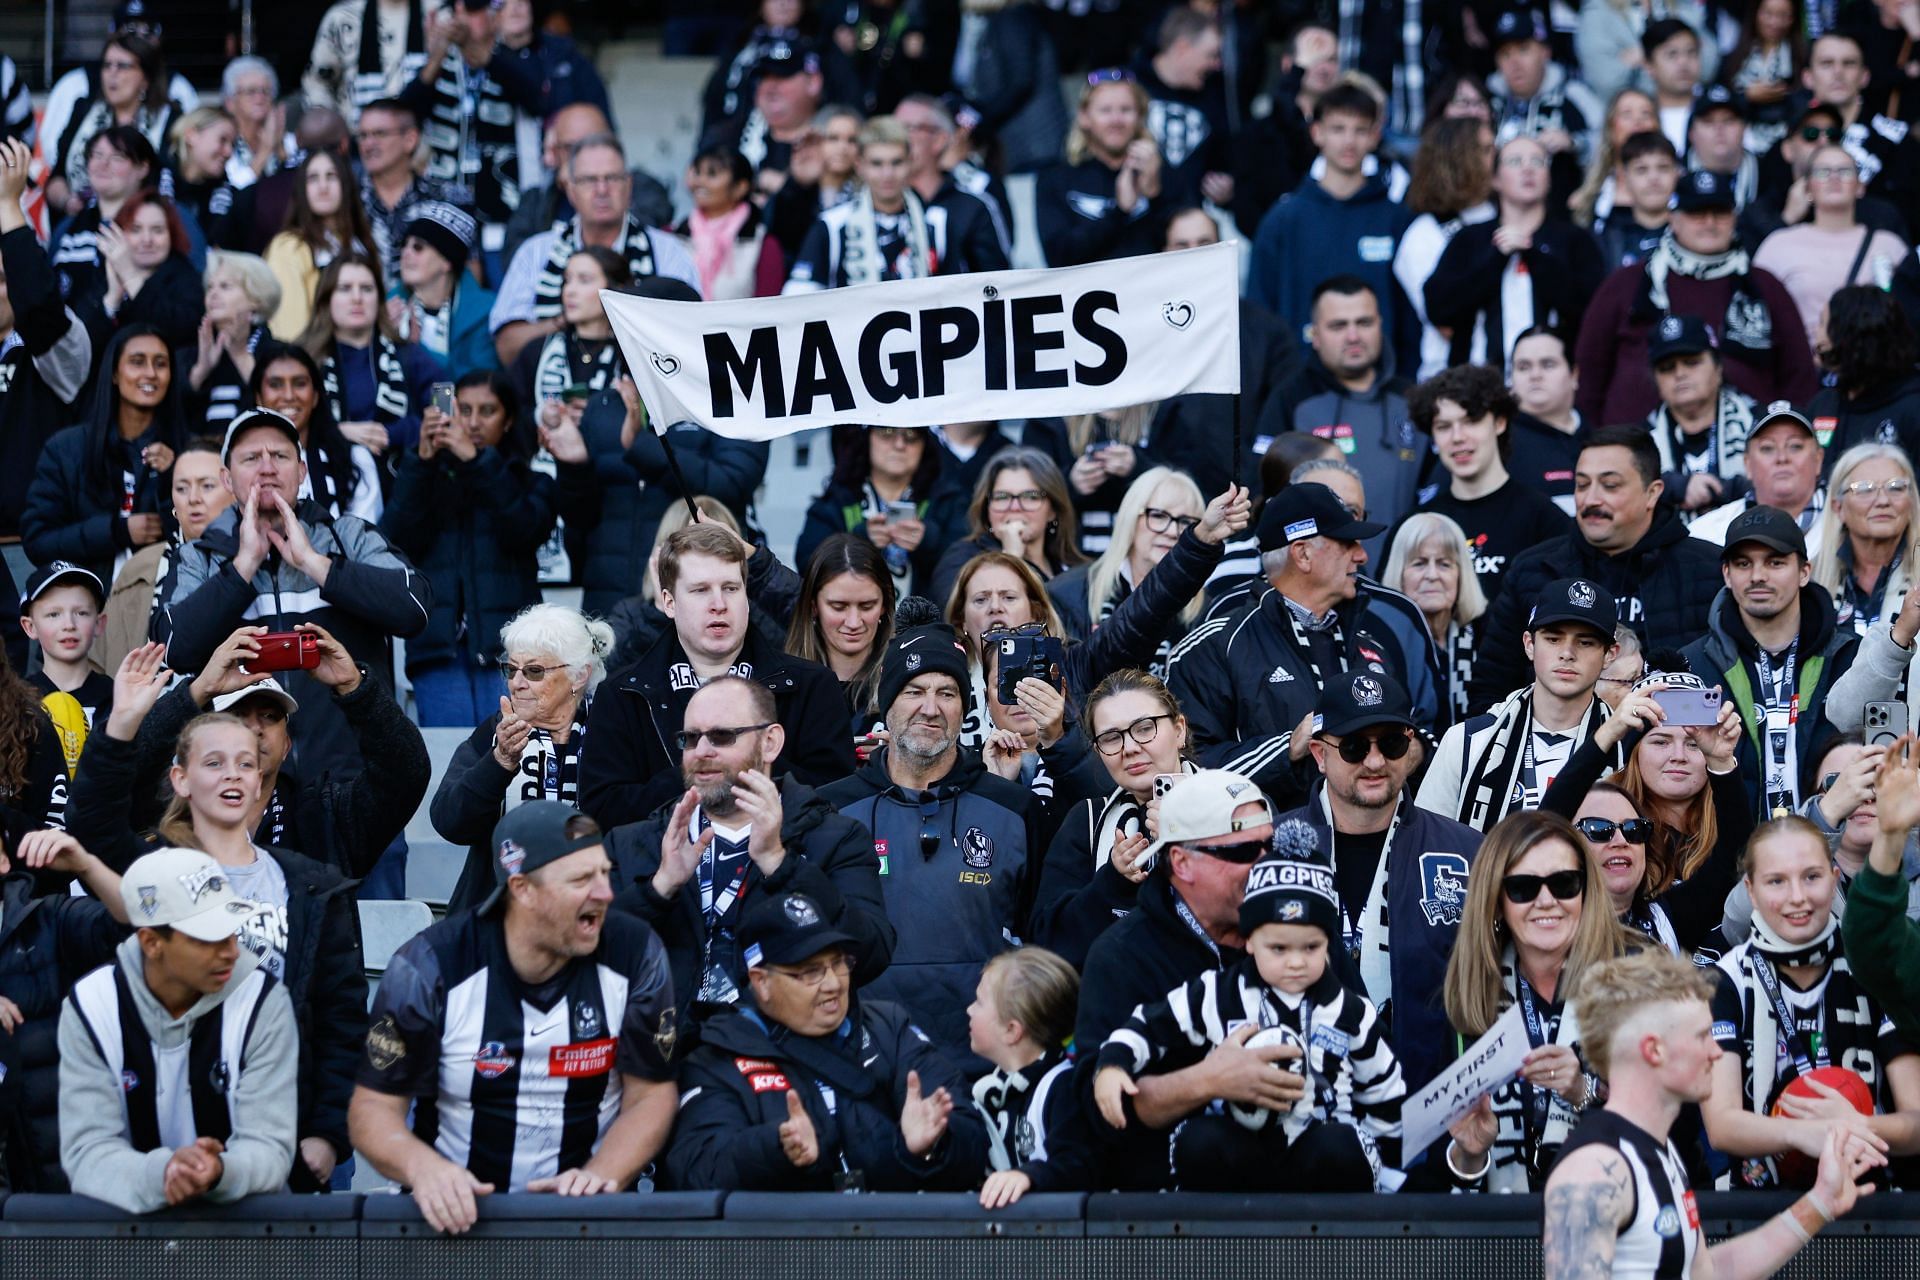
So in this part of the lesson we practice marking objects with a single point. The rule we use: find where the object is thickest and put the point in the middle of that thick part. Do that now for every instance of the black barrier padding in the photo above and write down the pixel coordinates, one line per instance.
(669, 1206)
(289, 1209)
(817, 1207)
(740, 1254)
(1305, 1215)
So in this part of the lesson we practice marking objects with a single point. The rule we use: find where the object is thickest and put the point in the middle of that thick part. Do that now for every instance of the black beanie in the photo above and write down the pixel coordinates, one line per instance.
(448, 228)
(1292, 885)
(915, 652)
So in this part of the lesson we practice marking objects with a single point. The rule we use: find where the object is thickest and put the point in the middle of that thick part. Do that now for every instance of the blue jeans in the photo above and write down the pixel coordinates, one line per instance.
(455, 693)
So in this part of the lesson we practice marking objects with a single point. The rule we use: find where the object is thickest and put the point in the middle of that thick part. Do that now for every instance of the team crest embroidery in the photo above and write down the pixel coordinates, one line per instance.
(219, 1077)
(913, 662)
(1292, 910)
(1670, 328)
(149, 899)
(1443, 887)
(800, 911)
(667, 1034)
(129, 1081)
(1367, 692)
(976, 848)
(586, 1022)
(1667, 1225)
(512, 857)
(1582, 595)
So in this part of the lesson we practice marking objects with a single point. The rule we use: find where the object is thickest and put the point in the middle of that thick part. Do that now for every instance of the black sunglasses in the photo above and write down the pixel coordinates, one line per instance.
(1600, 830)
(688, 739)
(1246, 853)
(1827, 783)
(1354, 747)
(1815, 132)
(1563, 885)
(929, 832)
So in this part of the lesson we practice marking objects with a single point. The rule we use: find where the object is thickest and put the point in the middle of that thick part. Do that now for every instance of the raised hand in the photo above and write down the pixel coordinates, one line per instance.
(138, 683)
(759, 799)
(253, 547)
(1126, 854)
(290, 540)
(923, 1120)
(1226, 515)
(226, 670)
(798, 1142)
(1046, 704)
(337, 669)
(680, 853)
(1896, 789)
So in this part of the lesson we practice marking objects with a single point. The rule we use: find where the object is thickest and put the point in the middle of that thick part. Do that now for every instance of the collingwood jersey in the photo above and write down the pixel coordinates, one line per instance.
(1662, 1238)
(518, 1081)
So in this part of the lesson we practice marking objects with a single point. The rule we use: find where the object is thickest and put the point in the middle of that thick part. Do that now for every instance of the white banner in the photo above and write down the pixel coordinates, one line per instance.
(911, 353)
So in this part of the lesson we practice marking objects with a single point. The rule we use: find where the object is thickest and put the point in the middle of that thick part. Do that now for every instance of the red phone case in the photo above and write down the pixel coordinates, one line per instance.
(287, 651)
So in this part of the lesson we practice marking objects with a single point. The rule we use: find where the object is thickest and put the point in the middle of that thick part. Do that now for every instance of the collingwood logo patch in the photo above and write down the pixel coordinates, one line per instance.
(976, 849)
(1367, 692)
(1582, 595)
(801, 911)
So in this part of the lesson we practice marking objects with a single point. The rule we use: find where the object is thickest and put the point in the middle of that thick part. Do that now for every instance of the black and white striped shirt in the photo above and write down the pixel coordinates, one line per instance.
(519, 1081)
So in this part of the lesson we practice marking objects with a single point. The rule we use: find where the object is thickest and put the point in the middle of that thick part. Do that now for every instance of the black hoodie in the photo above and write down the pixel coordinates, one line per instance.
(1884, 415)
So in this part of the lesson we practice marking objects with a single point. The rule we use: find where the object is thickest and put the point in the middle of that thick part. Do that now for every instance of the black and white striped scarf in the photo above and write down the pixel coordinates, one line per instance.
(391, 401)
(1407, 95)
(1726, 438)
(861, 261)
(1457, 655)
(1746, 328)
(565, 361)
(1488, 793)
(634, 244)
(1014, 1106)
(1513, 1164)
(477, 149)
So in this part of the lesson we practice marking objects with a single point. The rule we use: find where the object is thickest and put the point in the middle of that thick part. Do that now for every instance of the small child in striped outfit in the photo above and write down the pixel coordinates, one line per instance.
(1281, 1001)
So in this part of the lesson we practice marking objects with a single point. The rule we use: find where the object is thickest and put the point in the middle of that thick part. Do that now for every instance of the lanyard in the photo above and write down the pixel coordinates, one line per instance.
(1783, 1013)
(1534, 1102)
(1192, 922)
(1771, 684)
(1350, 932)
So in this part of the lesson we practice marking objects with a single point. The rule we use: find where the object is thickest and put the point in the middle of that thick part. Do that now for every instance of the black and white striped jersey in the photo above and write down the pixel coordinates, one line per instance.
(518, 1081)
(1662, 1238)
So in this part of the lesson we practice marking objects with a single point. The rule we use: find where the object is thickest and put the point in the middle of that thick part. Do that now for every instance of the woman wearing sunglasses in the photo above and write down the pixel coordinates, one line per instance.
(1789, 1005)
(1526, 937)
(552, 658)
(1094, 865)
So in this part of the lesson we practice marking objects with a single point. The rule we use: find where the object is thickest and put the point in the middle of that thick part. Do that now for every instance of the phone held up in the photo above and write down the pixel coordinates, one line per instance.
(287, 651)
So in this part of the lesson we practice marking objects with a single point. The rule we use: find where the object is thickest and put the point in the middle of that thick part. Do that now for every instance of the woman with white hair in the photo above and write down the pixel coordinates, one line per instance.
(1430, 562)
(530, 749)
(1159, 506)
(250, 90)
(242, 293)
(1868, 534)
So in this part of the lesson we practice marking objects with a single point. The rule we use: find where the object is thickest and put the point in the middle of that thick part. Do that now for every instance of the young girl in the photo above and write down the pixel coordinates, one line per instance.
(1345, 1126)
(1021, 1020)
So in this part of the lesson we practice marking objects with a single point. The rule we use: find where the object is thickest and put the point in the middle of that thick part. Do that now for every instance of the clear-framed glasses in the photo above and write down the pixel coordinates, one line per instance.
(1868, 490)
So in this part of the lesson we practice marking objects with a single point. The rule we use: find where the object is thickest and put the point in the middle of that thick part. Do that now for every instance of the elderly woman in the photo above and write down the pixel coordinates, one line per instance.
(530, 748)
(1159, 506)
(1526, 937)
(1868, 535)
(1789, 1005)
(1430, 562)
(250, 90)
(241, 294)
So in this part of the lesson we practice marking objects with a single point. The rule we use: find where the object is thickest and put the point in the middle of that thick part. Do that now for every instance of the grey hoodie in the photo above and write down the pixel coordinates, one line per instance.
(95, 1150)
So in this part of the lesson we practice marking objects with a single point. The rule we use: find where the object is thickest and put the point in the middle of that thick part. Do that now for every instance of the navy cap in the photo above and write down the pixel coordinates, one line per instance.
(1356, 700)
(1680, 336)
(1716, 97)
(1302, 511)
(1783, 411)
(786, 928)
(533, 835)
(1516, 25)
(52, 574)
(1575, 600)
(788, 58)
(1768, 526)
(1704, 191)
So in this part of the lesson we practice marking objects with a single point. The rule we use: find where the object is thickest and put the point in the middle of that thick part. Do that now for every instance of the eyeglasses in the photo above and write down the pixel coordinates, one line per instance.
(1832, 172)
(1354, 747)
(1525, 162)
(688, 739)
(816, 974)
(1600, 830)
(1142, 731)
(1565, 886)
(1025, 500)
(597, 181)
(1109, 75)
(898, 435)
(1160, 521)
(1868, 489)
(533, 671)
(1815, 132)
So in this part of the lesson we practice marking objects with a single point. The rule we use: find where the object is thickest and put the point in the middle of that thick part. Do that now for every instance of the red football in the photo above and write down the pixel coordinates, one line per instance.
(1797, 1170)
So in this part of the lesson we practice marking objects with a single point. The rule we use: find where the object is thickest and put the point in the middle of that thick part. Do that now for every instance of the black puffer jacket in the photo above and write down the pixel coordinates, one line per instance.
(830, 858)
(613, 503)
(472, 528)
(46, 945)
(1664, 585)
(630, 766)
(325, 977)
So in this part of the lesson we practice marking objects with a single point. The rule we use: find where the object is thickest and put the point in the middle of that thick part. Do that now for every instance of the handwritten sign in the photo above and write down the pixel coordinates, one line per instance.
(1490, 1063)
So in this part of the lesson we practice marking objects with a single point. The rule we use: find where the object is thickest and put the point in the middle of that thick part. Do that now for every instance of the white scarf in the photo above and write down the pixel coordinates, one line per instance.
(1510, 1168)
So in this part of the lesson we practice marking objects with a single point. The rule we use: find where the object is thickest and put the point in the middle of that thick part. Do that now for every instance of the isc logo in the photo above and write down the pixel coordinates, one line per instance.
(976, 877)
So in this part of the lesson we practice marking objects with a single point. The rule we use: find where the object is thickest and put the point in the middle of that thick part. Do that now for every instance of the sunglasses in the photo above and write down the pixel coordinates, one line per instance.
(1354, 748)
(929, 832)
(688, 739)
(1600, 830)
(1815, 132)
(533, 671)
(1244, 854)
(1565, 886)
(1826, 783)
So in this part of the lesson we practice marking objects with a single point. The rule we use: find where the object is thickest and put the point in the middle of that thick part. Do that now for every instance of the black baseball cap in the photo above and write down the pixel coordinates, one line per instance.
(786, 928)
(52, 574)
(533, 835)
(1516, 25)
(1356, 700)
(1768, 526)
(1783, 411)
(788, 58)
(1575, 600)
(1680, 336)
(252, 418)
(1716, 97)
(1704, 191)
(1302, 511)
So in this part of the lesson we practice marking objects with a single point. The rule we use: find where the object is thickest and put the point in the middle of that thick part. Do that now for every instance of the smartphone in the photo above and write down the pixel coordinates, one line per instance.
(903, 511)
(443, 397)
(1163, 783)
(576, 391)
(287, 651)
(1689, 706)
(1041, 657)
(1886, 723)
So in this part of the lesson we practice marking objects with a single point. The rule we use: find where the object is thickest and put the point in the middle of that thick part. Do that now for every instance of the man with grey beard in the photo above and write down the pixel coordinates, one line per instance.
(696, 865)
(953, 839)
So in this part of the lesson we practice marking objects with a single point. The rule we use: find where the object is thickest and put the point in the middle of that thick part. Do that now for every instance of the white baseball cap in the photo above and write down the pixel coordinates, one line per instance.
(186, 889)
(1200, 806)
(268, 688)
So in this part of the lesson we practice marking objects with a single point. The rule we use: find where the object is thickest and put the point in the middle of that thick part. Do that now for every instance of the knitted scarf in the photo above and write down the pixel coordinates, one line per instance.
(1727, 437)
(549, 770)
(391, 401)
(1488, 796)
(1747, 328)
(1014, 1106)
(1512, 1163)
(633, 244)
(479, 148)
(860, 260)
(563, 362)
